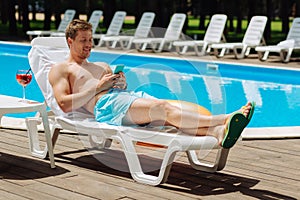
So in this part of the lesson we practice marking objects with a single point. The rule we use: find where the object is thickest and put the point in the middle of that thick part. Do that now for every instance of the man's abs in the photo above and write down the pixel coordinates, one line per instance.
(91, 103)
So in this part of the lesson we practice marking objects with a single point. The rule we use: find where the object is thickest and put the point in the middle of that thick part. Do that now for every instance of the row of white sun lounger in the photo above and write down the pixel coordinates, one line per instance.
(146, 37)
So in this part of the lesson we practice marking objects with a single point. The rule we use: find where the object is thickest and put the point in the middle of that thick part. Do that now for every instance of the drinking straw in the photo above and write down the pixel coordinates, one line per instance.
(28, 71)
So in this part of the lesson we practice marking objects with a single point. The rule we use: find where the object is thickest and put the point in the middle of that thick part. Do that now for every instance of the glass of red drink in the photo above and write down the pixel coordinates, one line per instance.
(24, 78)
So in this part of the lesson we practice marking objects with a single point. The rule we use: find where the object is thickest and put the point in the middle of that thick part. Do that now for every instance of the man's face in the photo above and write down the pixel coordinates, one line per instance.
(82, 44)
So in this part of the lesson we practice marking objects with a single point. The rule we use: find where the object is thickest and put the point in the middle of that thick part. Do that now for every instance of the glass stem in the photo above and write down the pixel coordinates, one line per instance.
(24, 93)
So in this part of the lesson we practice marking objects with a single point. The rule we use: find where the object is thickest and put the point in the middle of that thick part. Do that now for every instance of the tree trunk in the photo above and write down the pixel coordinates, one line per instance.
(297, 13)
(109, 7)
(4, 11)
(25, 19)
(48, 14)
(182, 8)
(239, 14)
(12, 18)
(203, 12)
(267, 33)
(57, 10)
(71, 5)
(33, 12)
(251, 7)
(285, 16)
(88, 11)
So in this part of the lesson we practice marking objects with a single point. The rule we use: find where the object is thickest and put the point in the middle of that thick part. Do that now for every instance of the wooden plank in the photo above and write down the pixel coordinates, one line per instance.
(19, 192)
(7, 195)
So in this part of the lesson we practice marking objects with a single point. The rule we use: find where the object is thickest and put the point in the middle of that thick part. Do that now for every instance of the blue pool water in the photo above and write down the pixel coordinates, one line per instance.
(220, 87)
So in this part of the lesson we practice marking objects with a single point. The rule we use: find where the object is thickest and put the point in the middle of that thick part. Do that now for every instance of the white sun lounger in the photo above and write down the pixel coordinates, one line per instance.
(95, 19)
(45, 52)
(214, 34)
(67, 18)
(142, 31)
(252, 38)
(114, 29)
(284, 48)
(173, 33)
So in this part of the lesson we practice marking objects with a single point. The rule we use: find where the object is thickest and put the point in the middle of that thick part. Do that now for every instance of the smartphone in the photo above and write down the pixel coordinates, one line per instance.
(119, 68)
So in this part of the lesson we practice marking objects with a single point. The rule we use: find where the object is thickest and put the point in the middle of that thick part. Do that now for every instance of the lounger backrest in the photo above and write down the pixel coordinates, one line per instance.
(294, 32)
(116, 23)
(45, 52)
(95, 19)
(255, 31)
(215, 28)
(175, 26)
(68, 17)
(145, 24)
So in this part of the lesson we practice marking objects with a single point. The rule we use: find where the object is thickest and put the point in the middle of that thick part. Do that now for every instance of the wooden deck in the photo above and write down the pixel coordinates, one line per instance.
(256, 169)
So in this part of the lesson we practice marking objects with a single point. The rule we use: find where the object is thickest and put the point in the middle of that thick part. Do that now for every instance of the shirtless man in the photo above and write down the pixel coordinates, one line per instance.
(78, 83)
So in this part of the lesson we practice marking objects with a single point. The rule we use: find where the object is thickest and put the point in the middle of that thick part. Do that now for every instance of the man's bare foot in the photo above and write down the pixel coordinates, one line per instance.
(245, 110)
(222, 130)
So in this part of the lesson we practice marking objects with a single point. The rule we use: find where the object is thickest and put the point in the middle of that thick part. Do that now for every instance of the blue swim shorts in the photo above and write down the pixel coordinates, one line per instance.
(113, 106)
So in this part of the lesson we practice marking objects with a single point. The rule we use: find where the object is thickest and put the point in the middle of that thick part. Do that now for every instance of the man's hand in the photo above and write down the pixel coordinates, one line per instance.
(107, 82)
(120, 81)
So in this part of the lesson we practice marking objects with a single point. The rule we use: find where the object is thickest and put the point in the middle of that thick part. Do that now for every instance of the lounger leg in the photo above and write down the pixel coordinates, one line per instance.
(170, 46)
(216, 52)
(262, 56)
(141, 47)
(266, 55)
(34, 143)
(285, 56)
(177, 48)
(197, 51)
(184, 49)
(219, 163)
(48, 135)
(208, 50)
(129, 44)
(247, 52)
(106, 44)
(100, 43)
(222, 158)
(122, 44)
(222, 53)
(114, 44)
(160, 47)
(203, 50)
(100, 144)
(238, 55)
(135, 165)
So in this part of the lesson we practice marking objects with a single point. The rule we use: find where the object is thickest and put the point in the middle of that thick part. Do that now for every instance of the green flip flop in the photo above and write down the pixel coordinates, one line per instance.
(234, 129)
(236, 126)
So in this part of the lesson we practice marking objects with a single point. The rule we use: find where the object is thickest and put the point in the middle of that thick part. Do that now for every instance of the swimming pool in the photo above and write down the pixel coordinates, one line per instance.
(220, 87)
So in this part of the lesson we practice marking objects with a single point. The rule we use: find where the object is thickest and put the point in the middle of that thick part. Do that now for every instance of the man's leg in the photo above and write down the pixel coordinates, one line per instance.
(143, 111)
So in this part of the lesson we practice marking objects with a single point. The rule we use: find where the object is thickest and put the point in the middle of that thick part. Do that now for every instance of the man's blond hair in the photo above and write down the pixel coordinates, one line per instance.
(76, 25)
